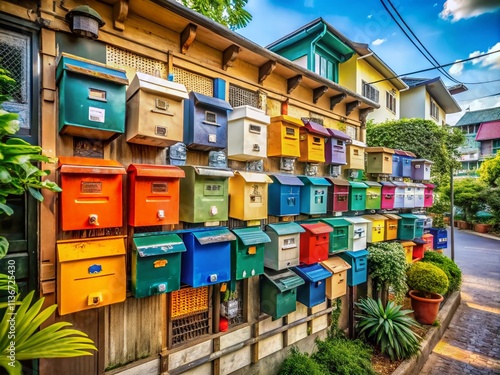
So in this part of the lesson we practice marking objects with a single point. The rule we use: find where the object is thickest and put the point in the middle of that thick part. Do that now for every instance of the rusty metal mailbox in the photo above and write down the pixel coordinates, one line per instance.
(155, 114)
(91, 196)
(153, 194)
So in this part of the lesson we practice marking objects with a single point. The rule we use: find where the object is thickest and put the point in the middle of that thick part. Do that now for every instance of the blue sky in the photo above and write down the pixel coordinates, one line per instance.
(450, 30)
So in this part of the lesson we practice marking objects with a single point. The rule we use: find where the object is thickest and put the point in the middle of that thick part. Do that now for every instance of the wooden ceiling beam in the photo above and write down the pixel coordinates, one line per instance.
(187, 37)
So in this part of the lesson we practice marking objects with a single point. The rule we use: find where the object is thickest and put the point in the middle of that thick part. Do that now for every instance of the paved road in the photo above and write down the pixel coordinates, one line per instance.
(471, 344)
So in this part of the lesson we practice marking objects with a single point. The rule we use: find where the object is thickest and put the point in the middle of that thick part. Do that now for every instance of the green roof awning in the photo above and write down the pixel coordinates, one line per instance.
(251, 236)
(283, 280)
(286, 228)
(157, 244)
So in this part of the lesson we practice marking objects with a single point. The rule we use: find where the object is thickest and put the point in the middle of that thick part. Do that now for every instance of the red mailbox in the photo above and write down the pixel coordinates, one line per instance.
(91, 196)
(338, 195)
(153, 194)
(314, 243)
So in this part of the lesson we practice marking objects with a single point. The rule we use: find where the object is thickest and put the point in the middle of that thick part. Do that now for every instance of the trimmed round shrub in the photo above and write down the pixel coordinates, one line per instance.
(426, 278)
(449, 267)
(298, 363)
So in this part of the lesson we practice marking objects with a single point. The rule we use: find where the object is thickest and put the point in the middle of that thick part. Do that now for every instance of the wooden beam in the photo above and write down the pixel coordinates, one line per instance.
(265, 70)
(229, 56)
(284, 107)
(293, 82)
(187, 37)
(120, 13)
(349, 107)
(334, 100)
(363, 113)
(318, 92)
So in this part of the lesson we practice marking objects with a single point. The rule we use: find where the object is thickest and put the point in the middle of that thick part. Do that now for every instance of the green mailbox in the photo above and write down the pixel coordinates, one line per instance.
(373, 195)
(278, 292)
(156, 263)
(357, 196)
(340, 240)
(247, 252)
(410, 227)
(92, 98)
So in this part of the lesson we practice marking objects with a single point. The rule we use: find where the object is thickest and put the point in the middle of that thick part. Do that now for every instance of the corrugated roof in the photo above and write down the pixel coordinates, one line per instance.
(477, 117)
(488, 130)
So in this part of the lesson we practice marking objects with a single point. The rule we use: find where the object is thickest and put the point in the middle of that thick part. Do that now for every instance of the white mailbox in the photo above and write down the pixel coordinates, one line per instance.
(359, 231)
(247, 134)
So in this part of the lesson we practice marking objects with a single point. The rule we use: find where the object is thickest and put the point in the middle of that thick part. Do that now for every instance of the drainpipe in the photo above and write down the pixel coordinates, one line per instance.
(313, 48)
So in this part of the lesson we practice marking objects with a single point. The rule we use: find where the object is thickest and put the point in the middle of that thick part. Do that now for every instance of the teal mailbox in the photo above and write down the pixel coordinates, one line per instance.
(156, 263)
(92, 98)
(247, 252)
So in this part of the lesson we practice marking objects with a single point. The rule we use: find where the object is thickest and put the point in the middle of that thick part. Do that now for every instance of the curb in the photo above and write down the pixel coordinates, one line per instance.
(413, 365)
(485, 235)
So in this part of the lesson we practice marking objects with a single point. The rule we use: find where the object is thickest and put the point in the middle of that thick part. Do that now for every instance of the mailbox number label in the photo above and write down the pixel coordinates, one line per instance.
(97, 94)
(254, 129)
(159, 187)
(288, 243)
(96, 114)
(91, 187)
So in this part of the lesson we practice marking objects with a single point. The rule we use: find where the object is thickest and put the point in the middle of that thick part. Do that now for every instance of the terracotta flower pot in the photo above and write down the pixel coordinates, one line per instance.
(425, 309)
(463, 224)
(482, 228)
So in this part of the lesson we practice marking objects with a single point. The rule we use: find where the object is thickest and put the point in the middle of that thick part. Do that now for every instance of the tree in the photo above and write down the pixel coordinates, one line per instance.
(230, 13)
(468, 196)
(489, 172)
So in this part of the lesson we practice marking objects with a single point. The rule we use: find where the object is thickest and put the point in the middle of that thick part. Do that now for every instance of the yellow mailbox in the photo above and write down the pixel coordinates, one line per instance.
(248, 195)
(355, 155)
(336, 285)
(312, 142)
(283, 136)
(90, 273)
(376, 228)
(408, 247)
(391, 227)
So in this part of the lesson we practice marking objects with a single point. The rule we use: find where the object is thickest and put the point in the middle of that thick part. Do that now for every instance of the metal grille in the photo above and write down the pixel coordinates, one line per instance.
(351, 131)
(190, 327)
(119, 57)
(239, 96)
(194, 82)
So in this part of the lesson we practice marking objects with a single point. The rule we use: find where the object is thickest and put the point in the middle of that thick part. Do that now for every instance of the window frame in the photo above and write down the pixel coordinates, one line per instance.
(434, 110)
(390, 101)
(370, 91)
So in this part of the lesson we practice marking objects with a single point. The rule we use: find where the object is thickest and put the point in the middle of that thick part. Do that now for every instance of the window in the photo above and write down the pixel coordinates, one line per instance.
(434, 110)
(390, 101)
(370, 92)
(323, 67)
(496, 146)
(351, 131)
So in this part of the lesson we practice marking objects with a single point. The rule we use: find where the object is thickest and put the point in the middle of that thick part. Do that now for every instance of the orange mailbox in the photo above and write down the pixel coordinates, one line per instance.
(91, 196)
(153, 194)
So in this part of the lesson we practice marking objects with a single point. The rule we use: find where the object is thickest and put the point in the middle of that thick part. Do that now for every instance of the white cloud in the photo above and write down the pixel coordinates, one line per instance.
(463, 9)
(492, 61)
(456, 69)
(378, 42)
(369, 16)
(435, 5)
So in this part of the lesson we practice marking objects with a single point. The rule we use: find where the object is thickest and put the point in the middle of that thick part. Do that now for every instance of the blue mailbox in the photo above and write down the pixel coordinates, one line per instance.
(358, 260)
(313, 291)
(440, 240)
(207, 259)
(313, 195)
(205, 122)
(284, 195)
(399, 194)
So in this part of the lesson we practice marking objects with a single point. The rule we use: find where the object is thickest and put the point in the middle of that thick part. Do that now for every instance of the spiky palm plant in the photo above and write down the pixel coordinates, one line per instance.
(389, 328)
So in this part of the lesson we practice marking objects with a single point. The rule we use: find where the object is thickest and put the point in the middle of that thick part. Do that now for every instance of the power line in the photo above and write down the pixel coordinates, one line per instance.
(481, 97)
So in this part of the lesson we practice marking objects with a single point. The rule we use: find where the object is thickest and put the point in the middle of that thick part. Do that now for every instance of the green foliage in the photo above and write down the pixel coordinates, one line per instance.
(426, 278)
(491, 197)
(450, 268)
(489, 172)
(387, 267)
(423, 137)
(298, 363)
(342, 356)
(389, 328)
(467, 196)
(230, 13)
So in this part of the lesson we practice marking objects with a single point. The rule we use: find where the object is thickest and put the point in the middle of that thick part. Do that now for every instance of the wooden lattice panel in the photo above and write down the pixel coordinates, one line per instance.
(194, 82)
(239, 96)
(119, 57)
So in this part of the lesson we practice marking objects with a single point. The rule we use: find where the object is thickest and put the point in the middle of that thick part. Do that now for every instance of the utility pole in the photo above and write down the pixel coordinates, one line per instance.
(452, 217)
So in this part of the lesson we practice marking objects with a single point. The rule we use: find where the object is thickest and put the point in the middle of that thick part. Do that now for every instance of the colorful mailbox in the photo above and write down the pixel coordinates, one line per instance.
(155, 114)
(283, 136)
(357, 196)
(379, 160)
(284, 249)
(421, 169)
(247, 134)
(207, 259)
(399, 197)
(429, 195)
(401, 163)
(358, 260)
(440, 238)
(419, 195)
(410, 227)
(427, 220)
(422, 245)
(153, 194)
(388, 192)
(284, 195)
(373, 195)
(91, 98)
(391, 227)
(359, 231)
(314, 242)
(408, 248)
(313, 291)
(336, 285)
(313, 195)
(375, 228)
(341, 236)
(247, 252)
(91, 196)
(248, 191)
(156, 263)
(312, 142)
(204, 194)
(355, 155)
(338, 195)
(406, 161)
(205, 122)
(90, 273)
(409, 201)
(278, 292)
(335, 148)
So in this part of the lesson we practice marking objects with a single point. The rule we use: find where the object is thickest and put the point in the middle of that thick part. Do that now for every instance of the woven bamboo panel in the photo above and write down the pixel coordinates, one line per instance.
(120, 57)
(188, 301)
(194, 82)
(239, 96)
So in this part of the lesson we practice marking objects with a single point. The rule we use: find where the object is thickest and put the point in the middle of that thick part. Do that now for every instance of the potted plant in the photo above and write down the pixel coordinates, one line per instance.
(427, 283)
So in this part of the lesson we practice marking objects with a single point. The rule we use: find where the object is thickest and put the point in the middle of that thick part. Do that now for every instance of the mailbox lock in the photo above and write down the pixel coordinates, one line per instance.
(256, 147)
(213, 278)
(94, 299)
(161, 214)
(93, 220)
(213, 210)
